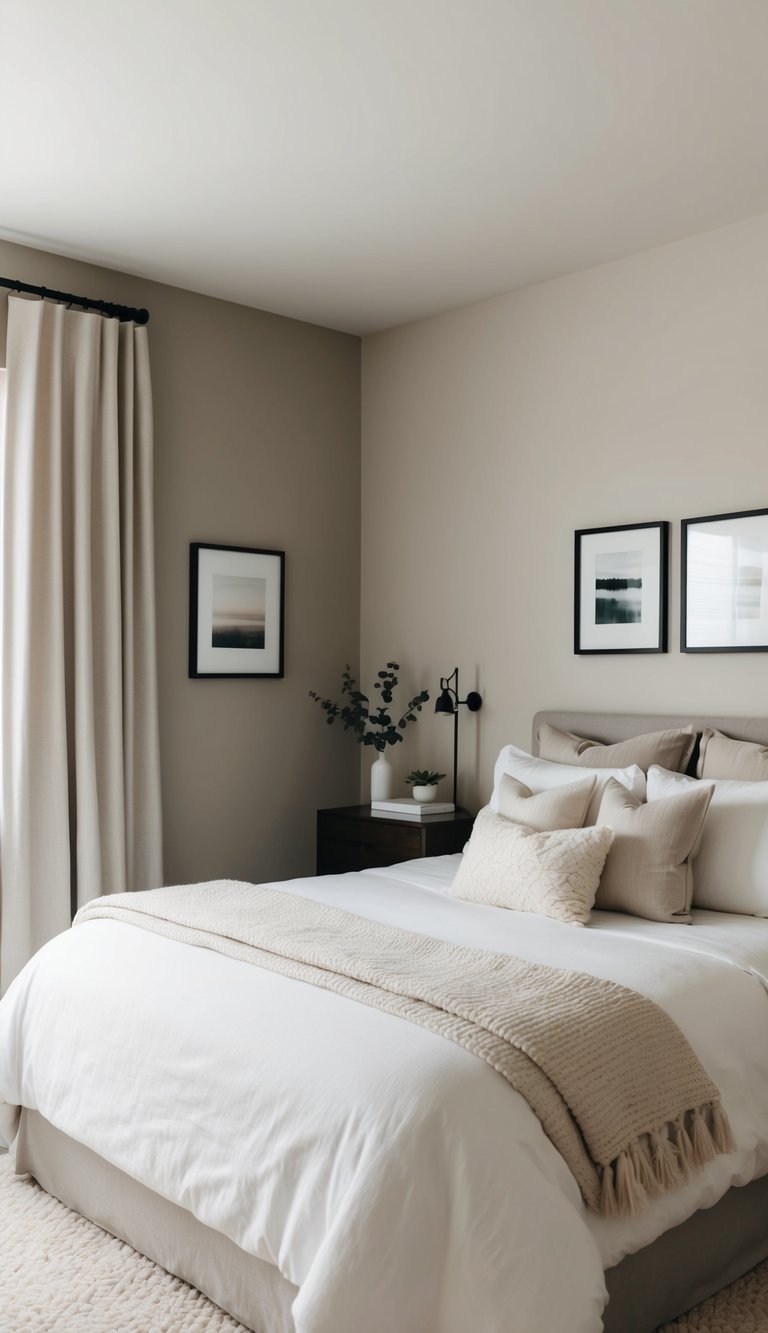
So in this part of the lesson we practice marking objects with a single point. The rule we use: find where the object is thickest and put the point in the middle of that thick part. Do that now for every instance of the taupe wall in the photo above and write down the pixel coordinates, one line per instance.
(628, 393)
(256, 444)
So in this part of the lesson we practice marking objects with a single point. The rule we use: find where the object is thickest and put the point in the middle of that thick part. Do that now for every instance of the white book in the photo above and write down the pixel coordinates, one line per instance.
(407, 806)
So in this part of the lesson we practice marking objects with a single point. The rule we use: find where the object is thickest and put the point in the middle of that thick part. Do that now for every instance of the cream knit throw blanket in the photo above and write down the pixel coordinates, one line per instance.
(610, 1076)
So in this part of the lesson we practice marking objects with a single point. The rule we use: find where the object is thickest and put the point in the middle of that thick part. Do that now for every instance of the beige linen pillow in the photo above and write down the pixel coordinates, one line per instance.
(553, 874)
(722, 757)
(648, 872)
(668, 749)
(560, 807)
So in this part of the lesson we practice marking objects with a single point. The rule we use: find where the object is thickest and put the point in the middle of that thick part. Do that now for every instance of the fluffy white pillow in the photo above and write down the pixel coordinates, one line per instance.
(732, 857)
(553, 874)
(541, 775)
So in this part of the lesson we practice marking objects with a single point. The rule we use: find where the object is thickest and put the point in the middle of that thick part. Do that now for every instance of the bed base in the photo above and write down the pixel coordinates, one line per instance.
(676, 1272)
(690, 1262)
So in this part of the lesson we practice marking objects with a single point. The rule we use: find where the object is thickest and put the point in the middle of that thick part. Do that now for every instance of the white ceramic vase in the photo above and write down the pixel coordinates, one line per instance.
(425, 794)
(381, 778)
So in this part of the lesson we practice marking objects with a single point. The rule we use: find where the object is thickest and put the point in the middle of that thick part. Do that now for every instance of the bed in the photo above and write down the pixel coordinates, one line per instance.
(287, 1150)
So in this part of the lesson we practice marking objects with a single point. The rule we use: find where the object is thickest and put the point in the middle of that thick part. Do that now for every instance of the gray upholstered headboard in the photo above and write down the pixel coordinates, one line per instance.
(612, 727)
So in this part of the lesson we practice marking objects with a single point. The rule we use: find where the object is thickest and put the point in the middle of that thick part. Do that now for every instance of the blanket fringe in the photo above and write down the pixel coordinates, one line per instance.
(666, 1161)
(685, 1148)
(721, 1130)
(642, 1168)
(663, 1159)
(609, 1206)
(631, 1192)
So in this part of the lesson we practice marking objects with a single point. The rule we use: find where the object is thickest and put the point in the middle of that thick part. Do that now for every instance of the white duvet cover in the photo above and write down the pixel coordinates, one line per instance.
(391, 1175)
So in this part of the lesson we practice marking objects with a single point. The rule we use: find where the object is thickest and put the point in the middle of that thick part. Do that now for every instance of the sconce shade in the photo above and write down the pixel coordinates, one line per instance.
(444, 703)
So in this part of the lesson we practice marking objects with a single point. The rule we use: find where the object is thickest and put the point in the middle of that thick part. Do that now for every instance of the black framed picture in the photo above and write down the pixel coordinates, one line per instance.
(236, 611)
(724, 583)
(620, 598)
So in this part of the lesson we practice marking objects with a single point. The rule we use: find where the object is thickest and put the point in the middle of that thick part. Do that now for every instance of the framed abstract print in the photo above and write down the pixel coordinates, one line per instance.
(620, 597)
(724, 583)
(236, 611)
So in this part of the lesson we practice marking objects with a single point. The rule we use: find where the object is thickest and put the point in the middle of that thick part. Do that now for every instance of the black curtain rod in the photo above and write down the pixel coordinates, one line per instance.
(123, 312)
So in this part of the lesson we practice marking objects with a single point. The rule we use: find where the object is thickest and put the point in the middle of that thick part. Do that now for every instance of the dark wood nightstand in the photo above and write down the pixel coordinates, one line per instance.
(352, 838)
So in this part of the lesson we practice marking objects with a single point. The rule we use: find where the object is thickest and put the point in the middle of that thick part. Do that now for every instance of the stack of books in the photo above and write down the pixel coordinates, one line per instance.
(407, 808)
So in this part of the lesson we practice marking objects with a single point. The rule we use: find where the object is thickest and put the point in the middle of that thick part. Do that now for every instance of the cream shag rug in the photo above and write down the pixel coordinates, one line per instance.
(60, 1272)
(740, 1308)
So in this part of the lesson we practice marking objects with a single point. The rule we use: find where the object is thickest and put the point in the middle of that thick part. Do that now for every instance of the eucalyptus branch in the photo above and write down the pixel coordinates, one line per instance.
(371, 726)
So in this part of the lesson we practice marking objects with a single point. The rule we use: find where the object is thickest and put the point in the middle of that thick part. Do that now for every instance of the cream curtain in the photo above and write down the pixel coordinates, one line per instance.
(80, 795)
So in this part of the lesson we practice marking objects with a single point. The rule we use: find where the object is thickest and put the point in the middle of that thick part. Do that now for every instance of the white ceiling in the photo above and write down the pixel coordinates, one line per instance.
(361, 163)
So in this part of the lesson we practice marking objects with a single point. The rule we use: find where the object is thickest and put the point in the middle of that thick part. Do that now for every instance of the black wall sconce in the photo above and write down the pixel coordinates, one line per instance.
(448, 702)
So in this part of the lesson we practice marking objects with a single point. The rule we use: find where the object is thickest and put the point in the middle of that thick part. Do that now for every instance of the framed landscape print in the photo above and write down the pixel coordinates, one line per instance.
(620, 602)
(236, 611)
(724, 576)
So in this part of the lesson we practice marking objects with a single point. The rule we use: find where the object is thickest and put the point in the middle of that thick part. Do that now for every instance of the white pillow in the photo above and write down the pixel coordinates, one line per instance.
(541, 775)
(552, 874)
(732, 858)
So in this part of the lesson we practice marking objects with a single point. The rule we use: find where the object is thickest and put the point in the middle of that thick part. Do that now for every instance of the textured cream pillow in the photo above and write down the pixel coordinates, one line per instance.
(553, 874)
(560, 807)
(648, 872)
(732, 860)
(722, 757)
(669, 749)
(540, 775)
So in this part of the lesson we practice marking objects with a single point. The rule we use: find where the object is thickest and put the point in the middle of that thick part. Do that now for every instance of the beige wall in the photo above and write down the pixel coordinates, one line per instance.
(256, 444)
(632, 392)
(628, 393)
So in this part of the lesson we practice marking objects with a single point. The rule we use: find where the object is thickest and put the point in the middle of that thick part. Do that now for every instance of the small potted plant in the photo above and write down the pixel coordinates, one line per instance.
(424, 783)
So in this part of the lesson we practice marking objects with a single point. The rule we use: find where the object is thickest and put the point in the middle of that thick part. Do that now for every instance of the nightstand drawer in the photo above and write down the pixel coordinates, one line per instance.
(352, 838)
(371, 832)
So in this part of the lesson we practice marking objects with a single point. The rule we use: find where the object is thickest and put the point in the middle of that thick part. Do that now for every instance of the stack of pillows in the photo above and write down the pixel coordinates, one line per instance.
(618, 827)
